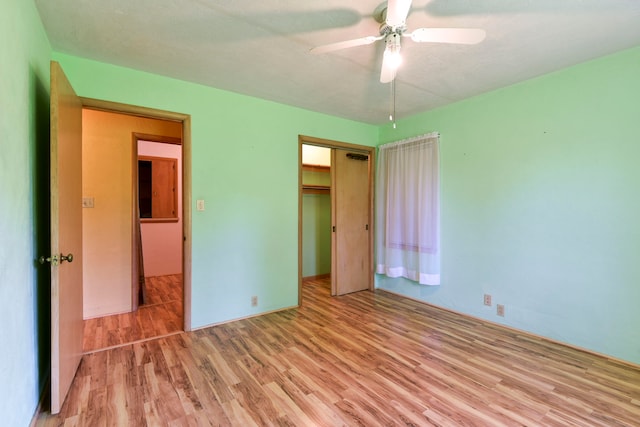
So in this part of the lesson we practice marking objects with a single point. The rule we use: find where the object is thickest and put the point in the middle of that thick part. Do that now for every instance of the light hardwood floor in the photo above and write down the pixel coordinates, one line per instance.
(364, 359)
(159, 316)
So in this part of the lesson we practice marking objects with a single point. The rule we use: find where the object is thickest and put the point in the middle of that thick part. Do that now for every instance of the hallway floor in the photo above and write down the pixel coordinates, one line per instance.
(160, 316)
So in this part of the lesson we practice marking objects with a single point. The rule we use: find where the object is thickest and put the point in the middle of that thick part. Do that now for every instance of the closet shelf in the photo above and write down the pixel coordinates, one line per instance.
(315, 168)
(315, 189)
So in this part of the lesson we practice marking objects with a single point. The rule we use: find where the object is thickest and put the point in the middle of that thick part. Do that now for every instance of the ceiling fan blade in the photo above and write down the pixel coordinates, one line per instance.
(345, 44)
(448, 35)
(397, 11)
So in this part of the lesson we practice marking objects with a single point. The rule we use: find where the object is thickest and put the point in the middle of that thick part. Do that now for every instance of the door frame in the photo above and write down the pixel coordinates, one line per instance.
(185, 119)
(320, 142)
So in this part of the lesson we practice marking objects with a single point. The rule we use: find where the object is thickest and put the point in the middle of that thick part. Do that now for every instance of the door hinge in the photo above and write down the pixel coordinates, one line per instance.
(53, 260)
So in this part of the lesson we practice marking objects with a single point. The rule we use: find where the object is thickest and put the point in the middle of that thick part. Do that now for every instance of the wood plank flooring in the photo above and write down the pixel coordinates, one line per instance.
(160, 315)
(364, 359)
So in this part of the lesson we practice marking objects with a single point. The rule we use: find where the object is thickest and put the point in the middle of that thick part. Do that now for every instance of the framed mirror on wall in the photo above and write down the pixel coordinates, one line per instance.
(157, 189)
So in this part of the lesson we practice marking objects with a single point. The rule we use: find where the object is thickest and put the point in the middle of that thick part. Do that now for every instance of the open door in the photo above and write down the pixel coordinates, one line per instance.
(66, 236)
(351, 222)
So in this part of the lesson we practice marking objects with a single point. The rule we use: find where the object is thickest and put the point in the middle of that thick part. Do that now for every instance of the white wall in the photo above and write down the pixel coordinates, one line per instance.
(162, 241)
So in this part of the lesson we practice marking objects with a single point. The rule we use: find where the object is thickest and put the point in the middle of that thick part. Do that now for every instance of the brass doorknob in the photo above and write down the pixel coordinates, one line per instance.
(68, 258)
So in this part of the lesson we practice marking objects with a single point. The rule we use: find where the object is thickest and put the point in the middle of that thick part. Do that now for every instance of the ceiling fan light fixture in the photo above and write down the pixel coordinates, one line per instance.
(392, 55)
(393, 58)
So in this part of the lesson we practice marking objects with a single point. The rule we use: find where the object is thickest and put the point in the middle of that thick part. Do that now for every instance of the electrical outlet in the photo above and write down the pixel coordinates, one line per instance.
(487, 299)
(254, 301)
(500, 310)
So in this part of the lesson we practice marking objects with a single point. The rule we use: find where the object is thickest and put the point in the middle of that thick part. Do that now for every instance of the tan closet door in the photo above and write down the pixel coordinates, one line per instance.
(350, 198)
(66, 236)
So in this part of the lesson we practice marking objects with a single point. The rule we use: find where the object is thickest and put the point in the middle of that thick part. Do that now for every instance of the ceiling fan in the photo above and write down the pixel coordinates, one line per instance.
(392, 16)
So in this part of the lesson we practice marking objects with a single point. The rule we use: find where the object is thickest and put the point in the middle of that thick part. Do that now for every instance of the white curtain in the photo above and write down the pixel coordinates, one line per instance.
(408, 209)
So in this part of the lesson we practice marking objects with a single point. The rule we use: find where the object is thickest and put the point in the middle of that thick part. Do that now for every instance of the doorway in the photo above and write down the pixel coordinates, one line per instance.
(350, 225)
(316, 212)
(114, 314)
(158, 193)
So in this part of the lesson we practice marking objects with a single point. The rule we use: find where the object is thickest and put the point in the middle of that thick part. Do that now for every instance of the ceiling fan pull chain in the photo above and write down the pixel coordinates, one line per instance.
(391, 102)
(393, 89)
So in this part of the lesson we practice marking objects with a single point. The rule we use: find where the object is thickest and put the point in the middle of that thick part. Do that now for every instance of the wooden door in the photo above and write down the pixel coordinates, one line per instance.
(66, 235)
(351, 235)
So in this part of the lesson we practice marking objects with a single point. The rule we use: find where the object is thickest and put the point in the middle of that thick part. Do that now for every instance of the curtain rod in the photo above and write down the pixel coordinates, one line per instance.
(412, 139)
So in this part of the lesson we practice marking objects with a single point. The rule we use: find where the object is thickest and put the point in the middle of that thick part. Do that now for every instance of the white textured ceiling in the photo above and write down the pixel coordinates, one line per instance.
(260, 48)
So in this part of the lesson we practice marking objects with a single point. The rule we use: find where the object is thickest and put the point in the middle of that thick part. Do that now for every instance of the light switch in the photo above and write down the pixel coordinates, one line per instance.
(87, 202)
(200, 205)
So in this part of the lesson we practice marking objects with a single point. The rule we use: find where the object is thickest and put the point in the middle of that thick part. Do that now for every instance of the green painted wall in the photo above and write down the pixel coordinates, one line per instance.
(245, 167)
(540, 205)
(24, 148)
